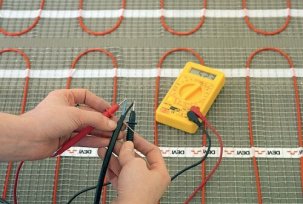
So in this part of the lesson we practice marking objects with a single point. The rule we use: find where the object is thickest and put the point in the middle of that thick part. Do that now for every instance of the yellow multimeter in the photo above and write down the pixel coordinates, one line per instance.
(196, 85)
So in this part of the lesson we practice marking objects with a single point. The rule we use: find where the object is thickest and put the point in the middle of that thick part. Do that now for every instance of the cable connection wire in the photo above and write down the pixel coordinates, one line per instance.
(199, 162)
(83, 191)
(172, 31)
(108, 155)
(196, 110)
(16, 181)
(262, 32)
(108, 31)
(32, 26)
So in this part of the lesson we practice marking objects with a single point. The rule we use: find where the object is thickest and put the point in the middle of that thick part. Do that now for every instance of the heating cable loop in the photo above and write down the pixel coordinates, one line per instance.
(172, 31)
(114, 98)
(32, 26)
(97, 33)
(248, 100)
(262, 32)
(23, 106)
(157, 85)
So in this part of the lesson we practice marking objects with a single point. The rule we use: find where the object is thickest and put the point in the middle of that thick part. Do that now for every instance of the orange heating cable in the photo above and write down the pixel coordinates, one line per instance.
(23, 105)
(298, 111)
(259, 31)
(159, 66)
(33, 25)
(108, 31)
(114, 98)
(172, 31)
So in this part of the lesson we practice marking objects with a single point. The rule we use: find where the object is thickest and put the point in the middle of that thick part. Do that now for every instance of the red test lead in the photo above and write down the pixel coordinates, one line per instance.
(85, 131)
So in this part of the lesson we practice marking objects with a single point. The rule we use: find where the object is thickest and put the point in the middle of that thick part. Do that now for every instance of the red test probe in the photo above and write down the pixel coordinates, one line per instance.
(85, 131)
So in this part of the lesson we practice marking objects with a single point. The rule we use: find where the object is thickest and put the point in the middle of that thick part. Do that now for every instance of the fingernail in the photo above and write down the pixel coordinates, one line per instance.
(112, 124)
(129, 143)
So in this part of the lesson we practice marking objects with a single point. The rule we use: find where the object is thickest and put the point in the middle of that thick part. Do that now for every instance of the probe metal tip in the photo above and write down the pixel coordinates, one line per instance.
(122, 101)
(134, 106)
(130, 107)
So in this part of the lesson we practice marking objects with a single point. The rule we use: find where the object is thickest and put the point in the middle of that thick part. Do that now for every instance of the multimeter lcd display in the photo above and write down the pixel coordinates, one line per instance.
(202, 74)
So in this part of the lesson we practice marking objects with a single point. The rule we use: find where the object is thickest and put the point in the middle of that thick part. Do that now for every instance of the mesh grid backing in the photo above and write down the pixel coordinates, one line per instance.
(272, 99)
(273, 109)
(151, 27)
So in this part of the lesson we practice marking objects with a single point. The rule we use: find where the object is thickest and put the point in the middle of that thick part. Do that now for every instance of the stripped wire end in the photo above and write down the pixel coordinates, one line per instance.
(122, 102)
(124, 107)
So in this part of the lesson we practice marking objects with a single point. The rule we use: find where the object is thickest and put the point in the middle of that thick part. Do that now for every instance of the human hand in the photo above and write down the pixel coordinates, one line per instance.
(137, 180)
(55, 119)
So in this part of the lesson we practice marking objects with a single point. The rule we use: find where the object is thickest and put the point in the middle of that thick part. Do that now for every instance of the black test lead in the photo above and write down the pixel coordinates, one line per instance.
(131, 125)
(108, 154)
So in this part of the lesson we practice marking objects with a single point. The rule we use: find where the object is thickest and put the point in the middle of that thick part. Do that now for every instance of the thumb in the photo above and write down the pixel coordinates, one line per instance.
(127, 153)
(92, 118)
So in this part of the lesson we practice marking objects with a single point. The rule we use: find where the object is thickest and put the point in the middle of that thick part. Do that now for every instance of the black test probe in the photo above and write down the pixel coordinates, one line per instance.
(108, 154)
(131, 125)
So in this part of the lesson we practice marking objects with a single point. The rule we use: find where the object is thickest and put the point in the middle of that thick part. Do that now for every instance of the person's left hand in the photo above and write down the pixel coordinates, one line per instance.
(137, 180)
(56, 118)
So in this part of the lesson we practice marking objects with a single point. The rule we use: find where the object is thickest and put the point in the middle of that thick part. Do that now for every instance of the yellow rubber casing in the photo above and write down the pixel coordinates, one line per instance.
(196, 85)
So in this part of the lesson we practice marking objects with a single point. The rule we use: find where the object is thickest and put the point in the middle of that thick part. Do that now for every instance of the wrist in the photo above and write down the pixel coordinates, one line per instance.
(14, 136)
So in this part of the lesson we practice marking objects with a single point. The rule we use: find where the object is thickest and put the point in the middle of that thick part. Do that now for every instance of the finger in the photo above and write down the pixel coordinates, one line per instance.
(123, 127)
(64, 138)
(107, 134)
(84, 96)
(85, 107)
(114, 164)
(151, 151)
(114, 118)
(113, 179)
(92, 141)
(100, 133)
(83, 118)
(118, 146)
(127, 153)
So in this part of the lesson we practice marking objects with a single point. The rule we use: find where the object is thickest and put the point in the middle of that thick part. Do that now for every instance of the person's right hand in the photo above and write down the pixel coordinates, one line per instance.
(137, 180)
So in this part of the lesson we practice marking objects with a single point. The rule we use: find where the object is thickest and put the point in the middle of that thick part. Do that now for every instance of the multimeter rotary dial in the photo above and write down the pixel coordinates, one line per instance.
(191, 92)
